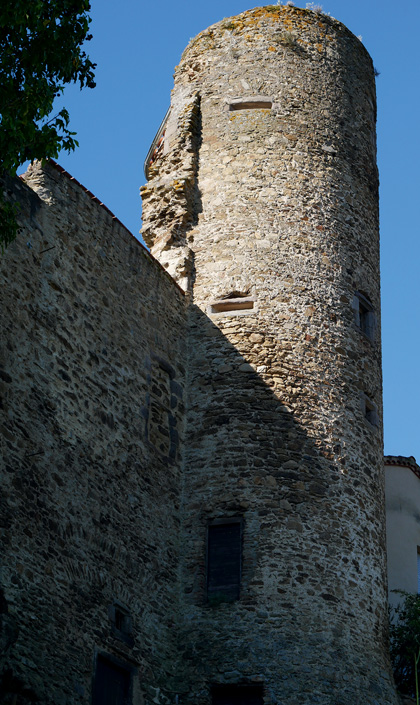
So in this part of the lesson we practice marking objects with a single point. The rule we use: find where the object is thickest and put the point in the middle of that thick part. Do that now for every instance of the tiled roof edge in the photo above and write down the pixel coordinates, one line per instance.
(404, 462)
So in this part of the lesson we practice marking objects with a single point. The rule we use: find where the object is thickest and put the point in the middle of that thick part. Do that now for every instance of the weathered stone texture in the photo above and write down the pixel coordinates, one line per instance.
(171, 204)
(277, 432)
(92, 376)
(133, 415)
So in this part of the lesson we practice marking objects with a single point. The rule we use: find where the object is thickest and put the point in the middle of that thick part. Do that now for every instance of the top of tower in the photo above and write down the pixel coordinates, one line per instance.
(294, 20)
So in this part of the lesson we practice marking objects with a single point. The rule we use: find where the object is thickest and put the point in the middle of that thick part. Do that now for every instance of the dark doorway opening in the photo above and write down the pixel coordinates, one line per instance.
(112, 683)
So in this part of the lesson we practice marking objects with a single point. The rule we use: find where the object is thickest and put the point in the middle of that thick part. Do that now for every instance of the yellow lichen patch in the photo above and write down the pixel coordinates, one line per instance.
(272, 49)
(249, 116)
(240, 22)
(229, 26)
(178, 185)
(206, 34)
(288, 24)
(293, 19)
(262, 12)
(208, 41)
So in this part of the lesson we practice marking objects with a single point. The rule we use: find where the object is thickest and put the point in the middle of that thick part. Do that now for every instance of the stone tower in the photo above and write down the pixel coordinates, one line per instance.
(262, 202)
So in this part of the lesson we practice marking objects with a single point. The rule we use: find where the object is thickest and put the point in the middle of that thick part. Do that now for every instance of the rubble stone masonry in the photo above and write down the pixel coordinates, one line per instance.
(284, 376)
(138, 419)
(92, 375)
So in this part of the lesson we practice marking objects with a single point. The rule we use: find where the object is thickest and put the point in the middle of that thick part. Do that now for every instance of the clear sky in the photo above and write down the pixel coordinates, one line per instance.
(137, 45)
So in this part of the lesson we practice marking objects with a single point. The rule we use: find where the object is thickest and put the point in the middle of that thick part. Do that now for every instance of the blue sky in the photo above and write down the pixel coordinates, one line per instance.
(137, 45)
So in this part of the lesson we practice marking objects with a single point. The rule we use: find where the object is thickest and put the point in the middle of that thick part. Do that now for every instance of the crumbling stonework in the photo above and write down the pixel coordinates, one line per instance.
(171, 202)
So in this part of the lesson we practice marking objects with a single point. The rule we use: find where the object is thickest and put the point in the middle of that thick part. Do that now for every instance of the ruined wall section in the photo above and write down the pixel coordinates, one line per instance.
(171, 202)
(279, 433)
(92, 382)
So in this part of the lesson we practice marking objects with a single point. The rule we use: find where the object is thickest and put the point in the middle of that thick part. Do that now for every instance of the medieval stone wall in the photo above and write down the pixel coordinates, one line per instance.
(135, 418)
(284, 393)
(92, 374)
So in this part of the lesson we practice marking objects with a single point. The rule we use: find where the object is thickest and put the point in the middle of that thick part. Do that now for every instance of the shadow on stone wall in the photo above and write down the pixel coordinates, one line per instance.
(311, 619)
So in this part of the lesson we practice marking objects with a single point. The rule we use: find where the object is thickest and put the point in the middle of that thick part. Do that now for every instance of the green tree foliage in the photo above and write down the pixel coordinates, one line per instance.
(40, 51)
(405, 644)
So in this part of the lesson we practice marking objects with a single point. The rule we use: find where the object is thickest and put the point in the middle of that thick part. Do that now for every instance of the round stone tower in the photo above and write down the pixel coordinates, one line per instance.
(262, 201)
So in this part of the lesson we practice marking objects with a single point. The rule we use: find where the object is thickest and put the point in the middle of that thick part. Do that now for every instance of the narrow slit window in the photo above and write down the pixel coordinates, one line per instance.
(251, 103)
(235, 303)
(224, 555)
(231, 305)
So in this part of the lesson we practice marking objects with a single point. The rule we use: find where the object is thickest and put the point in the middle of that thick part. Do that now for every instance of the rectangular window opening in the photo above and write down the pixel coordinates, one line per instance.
(364, 316)
(121, 623)
(224, 557)
(371, 413)
(120, 619)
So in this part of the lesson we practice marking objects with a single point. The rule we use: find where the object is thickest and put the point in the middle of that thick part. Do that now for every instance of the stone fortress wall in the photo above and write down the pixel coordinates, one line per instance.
(138, 418)
(92, 377)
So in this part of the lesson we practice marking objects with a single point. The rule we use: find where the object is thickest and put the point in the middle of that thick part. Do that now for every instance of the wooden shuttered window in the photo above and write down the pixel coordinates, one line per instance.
(224, 549)
(237, 695)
